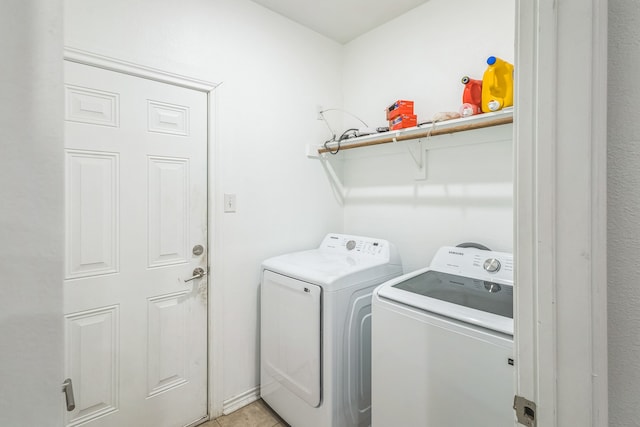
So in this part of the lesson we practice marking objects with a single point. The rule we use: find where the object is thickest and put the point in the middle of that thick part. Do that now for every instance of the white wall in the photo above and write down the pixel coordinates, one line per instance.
(623, 213)
(467, 195)
(273, 74)
(31, 213)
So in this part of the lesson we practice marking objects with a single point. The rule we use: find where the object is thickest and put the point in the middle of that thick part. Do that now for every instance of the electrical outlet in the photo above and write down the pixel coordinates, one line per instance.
(229, 202)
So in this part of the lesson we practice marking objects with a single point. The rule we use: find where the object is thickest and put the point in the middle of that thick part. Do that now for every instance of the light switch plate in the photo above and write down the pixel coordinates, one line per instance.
(229, 202)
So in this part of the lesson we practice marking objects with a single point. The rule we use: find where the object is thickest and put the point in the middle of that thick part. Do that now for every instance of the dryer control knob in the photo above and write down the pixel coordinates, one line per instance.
(491, 265)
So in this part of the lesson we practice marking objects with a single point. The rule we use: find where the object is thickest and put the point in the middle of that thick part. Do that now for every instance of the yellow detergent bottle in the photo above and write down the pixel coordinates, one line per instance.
(497, 85)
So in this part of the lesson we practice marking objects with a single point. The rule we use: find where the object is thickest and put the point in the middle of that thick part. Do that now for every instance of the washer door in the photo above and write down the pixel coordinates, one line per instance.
(291, 327)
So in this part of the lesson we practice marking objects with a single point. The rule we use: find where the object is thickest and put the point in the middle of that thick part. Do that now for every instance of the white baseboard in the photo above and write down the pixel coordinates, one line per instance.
(243, 399)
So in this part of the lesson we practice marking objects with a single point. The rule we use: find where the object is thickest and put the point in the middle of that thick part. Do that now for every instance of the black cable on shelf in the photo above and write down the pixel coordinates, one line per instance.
(344, 136)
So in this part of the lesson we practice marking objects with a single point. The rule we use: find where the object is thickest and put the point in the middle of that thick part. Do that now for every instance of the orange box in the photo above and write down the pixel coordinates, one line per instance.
(399, 108)
(403, 121)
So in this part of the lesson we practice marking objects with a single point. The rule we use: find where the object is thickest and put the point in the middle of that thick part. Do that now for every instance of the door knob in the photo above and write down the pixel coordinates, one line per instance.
(67, 389)
(198, 273)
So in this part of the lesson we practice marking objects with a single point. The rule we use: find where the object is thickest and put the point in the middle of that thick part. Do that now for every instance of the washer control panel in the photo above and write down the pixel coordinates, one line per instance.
(474, 263)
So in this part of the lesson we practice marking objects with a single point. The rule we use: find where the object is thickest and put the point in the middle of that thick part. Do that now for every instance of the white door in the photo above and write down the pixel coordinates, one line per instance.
(136, 228)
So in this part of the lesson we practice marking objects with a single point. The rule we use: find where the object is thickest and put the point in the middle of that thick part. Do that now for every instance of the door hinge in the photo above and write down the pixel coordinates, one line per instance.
(67, 389)
(525, 411)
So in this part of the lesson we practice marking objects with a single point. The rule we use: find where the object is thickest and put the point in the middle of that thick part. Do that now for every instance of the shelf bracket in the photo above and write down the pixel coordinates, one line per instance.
(335, 179)
(418, 153)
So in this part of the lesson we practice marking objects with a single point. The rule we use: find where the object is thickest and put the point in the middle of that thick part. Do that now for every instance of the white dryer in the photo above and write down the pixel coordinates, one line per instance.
(442, 346)
(315, 334)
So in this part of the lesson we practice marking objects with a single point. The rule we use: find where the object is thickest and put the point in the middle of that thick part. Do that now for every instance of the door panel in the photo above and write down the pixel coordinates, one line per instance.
(92, 106)
(167, 118)
(92, 356)
(168, 210)
(166, 357)
(136, 336)
(92, 213)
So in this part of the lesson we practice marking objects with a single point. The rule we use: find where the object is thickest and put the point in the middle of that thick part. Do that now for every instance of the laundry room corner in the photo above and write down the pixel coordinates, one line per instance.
(163, 202)
(465, 192)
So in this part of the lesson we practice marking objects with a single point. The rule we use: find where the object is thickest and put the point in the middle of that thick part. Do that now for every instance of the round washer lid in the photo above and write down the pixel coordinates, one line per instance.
(473, 301)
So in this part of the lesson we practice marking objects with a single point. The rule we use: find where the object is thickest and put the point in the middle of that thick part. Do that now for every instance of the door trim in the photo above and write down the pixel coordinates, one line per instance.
(120, 66)
(560, 210)
(214, 346)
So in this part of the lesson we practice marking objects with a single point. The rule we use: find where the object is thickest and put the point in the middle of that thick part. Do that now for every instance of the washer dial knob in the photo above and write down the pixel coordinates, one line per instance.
(351, 244)
(491, 265)
(492, 287)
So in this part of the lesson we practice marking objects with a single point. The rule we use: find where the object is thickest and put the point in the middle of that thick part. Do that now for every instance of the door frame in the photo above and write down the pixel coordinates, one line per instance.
(560, 223)
(214, 309)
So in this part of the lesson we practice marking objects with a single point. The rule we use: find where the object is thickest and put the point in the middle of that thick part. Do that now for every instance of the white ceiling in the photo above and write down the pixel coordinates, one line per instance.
(340, 20)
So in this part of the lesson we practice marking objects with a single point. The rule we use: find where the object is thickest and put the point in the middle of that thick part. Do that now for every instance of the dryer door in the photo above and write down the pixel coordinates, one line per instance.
(290, 335)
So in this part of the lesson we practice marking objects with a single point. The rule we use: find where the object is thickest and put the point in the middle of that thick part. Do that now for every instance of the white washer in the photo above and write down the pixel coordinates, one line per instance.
(442, 345)
(315, 335)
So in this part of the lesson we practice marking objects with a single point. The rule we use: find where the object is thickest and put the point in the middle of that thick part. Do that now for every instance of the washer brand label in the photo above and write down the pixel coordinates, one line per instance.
(456, 253)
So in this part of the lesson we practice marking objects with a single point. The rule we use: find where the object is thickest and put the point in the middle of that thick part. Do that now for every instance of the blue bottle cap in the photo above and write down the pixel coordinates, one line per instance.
(491, 60)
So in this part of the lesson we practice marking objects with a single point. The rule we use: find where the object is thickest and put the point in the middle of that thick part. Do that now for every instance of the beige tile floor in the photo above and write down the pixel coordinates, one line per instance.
(257, 414)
